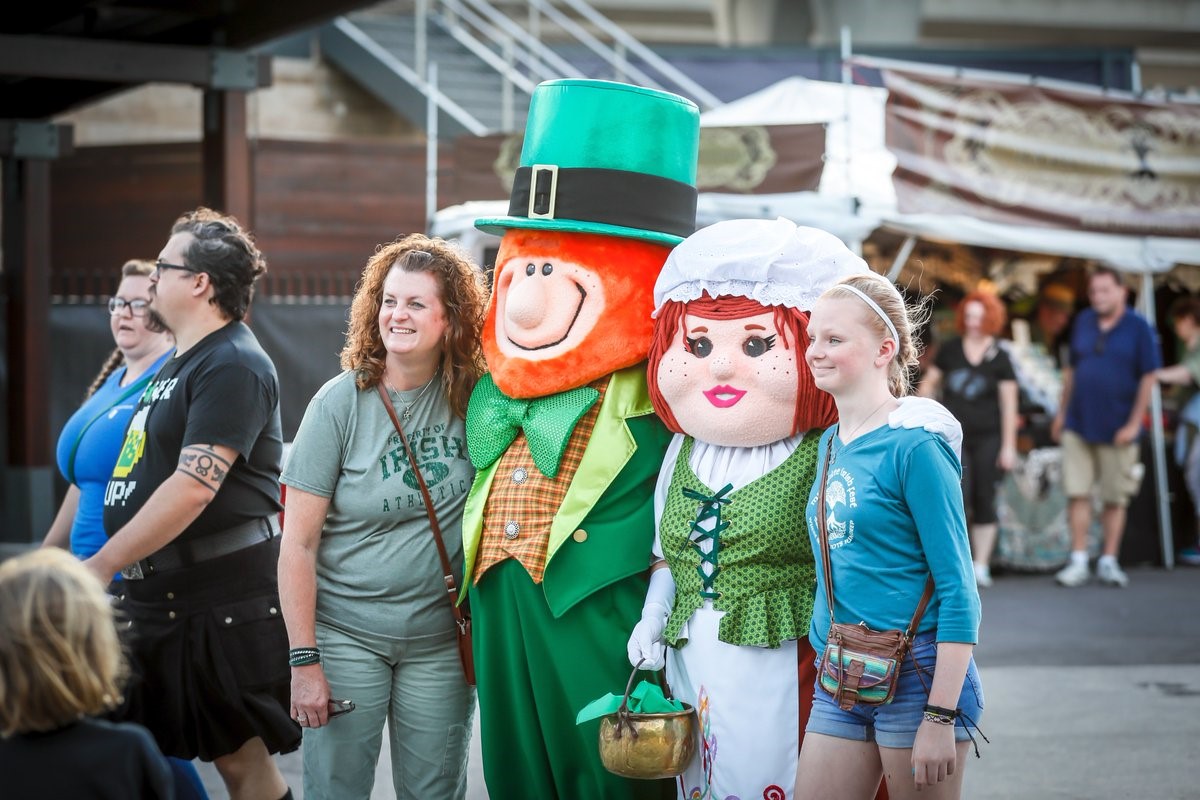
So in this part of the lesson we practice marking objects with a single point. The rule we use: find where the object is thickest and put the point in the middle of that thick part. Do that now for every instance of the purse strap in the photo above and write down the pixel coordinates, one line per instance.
(132, 389)
(447, 571)
(823, 538)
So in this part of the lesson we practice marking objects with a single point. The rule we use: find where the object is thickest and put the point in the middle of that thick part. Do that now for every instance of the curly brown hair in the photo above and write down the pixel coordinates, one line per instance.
(463, 295)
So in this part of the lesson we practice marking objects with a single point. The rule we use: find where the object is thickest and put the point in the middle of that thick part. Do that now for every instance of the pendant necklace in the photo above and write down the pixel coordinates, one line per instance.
(857, 428)
(406, 414)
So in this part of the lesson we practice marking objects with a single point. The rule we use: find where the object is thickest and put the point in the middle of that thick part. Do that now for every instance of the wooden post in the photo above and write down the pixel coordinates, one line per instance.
(226, 155)
(25, 239)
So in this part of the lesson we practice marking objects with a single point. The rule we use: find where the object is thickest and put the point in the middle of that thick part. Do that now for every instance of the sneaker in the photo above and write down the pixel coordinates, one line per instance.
(1190, 556)
(1110, 574)
(1073, 574)
(983, 576)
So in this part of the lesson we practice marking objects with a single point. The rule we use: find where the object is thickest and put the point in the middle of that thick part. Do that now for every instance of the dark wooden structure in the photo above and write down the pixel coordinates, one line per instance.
(57, 56)
(318, 209)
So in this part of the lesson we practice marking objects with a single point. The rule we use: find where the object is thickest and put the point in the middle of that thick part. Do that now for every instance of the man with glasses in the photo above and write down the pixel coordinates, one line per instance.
(191, 514)
(1106, 390)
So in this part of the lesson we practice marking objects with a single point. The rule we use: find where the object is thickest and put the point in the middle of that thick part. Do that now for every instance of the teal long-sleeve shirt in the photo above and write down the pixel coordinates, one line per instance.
(894, 510)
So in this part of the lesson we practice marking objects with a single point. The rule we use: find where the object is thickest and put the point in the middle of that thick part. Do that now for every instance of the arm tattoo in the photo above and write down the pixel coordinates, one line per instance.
(203, 463)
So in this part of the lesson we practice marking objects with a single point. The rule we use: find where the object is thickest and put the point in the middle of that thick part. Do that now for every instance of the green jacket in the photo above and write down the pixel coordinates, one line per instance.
(611, 498)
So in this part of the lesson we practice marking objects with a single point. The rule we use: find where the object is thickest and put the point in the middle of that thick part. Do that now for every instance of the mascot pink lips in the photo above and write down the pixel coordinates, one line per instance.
(724, 396)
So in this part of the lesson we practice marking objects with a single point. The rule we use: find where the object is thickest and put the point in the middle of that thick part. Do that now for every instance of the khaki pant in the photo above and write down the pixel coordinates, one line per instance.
(1115, 467)
(418, 687)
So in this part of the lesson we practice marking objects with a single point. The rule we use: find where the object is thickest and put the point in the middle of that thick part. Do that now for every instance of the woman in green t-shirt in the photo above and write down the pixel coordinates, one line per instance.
(360, 578)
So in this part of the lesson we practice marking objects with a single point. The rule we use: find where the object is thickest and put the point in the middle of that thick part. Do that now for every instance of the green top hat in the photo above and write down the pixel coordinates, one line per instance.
(607, 158)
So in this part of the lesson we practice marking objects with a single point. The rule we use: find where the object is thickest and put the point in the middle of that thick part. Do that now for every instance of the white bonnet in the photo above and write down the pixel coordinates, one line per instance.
(775, 262)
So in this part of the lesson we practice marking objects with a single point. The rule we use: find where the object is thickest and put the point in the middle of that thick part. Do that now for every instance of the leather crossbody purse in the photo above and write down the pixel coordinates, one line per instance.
(860, 665)
(462, 618)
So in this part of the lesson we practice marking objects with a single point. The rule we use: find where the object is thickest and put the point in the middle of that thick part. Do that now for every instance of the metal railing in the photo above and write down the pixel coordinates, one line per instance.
(626, 42)
(381, 53)
(522, 60)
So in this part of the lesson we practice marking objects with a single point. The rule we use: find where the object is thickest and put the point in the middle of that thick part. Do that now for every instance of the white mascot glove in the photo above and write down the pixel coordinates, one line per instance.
(921, 412)
(646, 643)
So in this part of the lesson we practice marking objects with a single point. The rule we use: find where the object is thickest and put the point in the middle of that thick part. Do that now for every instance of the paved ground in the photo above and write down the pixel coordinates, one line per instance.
(1091, 693)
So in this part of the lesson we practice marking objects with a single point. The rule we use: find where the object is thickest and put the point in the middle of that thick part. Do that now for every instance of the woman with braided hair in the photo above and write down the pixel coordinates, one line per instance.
(91, 440)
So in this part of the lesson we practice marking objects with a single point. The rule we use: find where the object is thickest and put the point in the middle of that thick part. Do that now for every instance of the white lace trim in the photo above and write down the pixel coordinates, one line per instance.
(768, 293)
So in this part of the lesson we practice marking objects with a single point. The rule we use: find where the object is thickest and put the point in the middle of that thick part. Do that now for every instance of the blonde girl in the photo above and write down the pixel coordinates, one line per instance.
(894, 516)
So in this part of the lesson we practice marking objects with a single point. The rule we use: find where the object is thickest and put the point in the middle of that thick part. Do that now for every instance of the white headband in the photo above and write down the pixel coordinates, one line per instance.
(874, 307)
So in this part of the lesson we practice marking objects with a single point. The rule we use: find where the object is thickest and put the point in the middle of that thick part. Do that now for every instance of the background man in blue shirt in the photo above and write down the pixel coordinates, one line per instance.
(1106, 389)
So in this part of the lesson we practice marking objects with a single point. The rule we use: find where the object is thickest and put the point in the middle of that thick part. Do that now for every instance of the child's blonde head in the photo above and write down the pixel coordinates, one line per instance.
(904, 321)
(60, 659)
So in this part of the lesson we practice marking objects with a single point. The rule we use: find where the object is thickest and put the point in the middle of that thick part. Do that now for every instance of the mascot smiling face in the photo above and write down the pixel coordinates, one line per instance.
(605, 189)
(726, 365)
(568, 308)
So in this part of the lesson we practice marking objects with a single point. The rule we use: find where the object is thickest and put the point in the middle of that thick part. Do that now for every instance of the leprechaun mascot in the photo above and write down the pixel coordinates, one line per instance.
(559, 523)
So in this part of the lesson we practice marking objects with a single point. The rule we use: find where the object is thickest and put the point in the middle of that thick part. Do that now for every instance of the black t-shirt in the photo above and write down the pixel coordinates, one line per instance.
(972, 392)
(90, 759)
(222, 391)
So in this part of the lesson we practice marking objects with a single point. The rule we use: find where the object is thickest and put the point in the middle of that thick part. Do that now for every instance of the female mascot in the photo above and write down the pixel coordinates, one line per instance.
(731, 587)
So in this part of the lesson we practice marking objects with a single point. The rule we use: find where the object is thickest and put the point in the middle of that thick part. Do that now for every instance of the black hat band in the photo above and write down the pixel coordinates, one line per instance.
(605, 196)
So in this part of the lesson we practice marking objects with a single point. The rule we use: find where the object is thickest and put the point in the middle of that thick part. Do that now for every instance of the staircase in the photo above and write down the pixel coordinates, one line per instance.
(487, 64)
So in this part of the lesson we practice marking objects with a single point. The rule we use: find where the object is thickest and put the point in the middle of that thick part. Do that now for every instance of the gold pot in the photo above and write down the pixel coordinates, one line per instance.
(648, 745)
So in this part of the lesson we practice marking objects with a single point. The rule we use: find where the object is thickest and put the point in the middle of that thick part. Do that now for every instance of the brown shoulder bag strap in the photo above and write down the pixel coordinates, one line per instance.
(823, 538)
(447, 570)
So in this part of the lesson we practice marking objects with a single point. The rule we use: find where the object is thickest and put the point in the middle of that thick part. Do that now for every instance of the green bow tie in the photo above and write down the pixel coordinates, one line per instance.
(494, 419)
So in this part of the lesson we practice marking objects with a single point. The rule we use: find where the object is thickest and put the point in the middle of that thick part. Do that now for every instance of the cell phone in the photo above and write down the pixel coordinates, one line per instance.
(339, 707)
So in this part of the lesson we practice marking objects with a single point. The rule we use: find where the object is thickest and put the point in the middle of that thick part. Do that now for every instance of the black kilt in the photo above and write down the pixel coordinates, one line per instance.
(209, 656)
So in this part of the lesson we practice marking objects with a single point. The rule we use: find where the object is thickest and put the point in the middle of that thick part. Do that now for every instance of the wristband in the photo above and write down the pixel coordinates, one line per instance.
(942, 712)
(303, 656)
(939, 715)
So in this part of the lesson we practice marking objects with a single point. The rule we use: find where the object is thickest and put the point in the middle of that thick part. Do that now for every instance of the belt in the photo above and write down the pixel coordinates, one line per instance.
(181, 554)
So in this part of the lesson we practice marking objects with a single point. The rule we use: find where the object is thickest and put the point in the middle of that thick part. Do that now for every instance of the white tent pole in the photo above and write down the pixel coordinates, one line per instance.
(906, 248)
(847, 80)
(1157, 440)
(431, 146)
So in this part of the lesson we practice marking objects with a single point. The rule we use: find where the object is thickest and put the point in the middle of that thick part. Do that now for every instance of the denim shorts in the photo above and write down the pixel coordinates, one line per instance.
(895, 724)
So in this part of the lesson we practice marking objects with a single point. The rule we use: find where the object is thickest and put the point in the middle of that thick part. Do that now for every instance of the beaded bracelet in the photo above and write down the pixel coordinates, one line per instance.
(303, 656)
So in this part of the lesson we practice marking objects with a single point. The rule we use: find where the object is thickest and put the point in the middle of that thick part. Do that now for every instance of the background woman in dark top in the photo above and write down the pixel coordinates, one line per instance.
(975, 377)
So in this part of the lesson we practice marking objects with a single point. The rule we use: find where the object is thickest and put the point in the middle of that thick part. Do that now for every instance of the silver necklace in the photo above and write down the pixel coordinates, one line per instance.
(857, 428)
(406, 414)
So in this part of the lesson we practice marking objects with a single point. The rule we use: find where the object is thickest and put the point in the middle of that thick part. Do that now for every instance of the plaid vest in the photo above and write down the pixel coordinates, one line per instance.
(523, 502)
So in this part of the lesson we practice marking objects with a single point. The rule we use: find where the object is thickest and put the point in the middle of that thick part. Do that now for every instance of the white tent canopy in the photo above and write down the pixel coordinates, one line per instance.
(1128, 253)
(856, 194)
(855, 134)
(856, 162)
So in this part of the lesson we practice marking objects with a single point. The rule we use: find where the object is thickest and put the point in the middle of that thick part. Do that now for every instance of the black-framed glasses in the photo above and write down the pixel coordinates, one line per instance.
(159, 266)
(117, 306)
